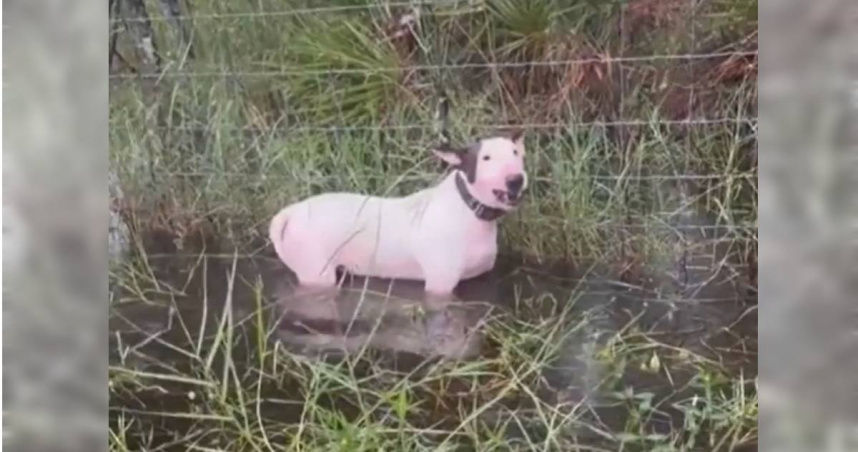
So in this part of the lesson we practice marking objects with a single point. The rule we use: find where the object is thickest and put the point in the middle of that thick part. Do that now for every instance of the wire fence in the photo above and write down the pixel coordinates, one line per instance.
(420, 178)
(749, 121)
(430, 67)
(732, 54)
(293, 11)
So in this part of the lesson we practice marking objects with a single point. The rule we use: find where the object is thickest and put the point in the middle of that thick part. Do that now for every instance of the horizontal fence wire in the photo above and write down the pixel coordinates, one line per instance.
(752, 121)
(653, 177)
(300, 11)
(262, 253)
(664, 222)
(425, 67)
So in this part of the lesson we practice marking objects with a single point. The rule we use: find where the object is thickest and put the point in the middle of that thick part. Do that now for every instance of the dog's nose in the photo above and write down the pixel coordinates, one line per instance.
(514, 183)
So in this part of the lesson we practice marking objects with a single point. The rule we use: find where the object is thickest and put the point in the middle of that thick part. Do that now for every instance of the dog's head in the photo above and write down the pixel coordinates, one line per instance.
(493, 168)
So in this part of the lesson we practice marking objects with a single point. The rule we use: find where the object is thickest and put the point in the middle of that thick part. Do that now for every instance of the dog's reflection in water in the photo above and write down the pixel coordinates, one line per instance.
(385, 316)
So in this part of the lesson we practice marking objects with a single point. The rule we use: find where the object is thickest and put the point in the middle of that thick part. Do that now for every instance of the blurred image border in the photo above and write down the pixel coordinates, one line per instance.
(55, 124)
(808, 254)
(55, 267)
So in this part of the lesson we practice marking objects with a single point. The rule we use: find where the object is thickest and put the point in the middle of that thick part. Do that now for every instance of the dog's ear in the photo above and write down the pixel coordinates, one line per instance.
(448, 154)
(517, 137)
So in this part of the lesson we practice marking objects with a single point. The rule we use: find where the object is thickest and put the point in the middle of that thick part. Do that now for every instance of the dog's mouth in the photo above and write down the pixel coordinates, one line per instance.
(508, 198)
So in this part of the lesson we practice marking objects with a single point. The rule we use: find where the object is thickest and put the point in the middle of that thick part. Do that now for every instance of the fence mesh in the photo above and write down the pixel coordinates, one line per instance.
(641, 115)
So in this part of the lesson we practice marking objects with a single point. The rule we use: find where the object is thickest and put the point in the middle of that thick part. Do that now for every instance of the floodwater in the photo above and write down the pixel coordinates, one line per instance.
(381, 313)
(699, 299)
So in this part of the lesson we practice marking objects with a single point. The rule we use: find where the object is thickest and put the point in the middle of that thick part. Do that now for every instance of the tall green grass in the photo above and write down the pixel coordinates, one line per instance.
(274, 108)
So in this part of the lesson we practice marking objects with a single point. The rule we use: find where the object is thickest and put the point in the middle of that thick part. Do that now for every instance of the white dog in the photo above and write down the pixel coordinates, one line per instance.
(440, 235)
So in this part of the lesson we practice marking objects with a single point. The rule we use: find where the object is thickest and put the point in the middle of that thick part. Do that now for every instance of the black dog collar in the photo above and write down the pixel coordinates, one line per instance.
(482, 211)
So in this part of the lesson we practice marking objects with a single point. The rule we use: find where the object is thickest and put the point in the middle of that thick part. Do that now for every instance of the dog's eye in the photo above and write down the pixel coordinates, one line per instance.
(515, 152)
(486, 157)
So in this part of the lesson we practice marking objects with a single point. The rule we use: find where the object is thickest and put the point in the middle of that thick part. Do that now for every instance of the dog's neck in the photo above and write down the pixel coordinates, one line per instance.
(482, 211)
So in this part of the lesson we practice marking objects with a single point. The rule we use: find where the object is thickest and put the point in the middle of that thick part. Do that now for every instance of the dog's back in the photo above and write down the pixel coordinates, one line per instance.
(321, 233)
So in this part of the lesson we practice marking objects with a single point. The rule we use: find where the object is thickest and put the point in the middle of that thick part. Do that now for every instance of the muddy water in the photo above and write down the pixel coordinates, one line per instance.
(696, 299)
(392, 315)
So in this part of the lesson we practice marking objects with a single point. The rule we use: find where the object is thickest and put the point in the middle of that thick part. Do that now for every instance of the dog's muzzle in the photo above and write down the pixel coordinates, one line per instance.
(508, 198)
(514, 190)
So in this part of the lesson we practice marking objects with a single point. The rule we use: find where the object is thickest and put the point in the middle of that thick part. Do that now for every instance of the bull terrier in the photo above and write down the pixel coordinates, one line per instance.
(440, 235)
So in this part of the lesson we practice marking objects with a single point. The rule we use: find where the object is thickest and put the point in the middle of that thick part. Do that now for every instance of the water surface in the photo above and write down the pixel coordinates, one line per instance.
(695, 306)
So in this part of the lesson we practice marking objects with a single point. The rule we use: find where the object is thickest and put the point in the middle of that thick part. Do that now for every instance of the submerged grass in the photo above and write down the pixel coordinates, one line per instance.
(555, 374)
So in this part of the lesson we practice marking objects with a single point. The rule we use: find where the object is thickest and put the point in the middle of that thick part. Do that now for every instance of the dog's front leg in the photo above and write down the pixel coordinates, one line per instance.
(442, 273)
(437, 301)
(441, 285)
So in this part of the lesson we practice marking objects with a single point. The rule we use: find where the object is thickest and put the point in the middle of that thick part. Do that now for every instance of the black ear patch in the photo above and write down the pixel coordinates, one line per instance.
(469, 162)
(469, 159)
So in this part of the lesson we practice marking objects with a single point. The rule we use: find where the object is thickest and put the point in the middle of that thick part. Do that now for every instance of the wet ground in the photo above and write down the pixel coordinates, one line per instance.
(691, 313)
(389, 318)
